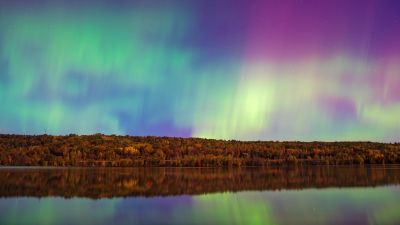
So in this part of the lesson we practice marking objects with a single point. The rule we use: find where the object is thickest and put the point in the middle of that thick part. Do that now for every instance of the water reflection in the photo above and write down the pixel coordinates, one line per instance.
(308, 195)
(125, 182)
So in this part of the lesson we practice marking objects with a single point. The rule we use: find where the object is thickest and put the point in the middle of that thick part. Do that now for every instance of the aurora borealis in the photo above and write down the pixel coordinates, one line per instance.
(249, 70)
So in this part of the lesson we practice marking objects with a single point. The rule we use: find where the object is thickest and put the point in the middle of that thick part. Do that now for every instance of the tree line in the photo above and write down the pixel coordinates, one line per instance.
(120, 151)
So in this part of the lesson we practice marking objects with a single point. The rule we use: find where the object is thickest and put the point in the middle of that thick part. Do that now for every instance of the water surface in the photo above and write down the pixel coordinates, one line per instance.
(295, 195)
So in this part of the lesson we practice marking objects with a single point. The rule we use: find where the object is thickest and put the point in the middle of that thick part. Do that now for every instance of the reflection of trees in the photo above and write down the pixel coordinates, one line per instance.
(118, 182)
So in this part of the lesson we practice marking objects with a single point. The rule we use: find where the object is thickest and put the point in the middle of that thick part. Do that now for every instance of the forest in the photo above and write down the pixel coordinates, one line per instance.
(150, 151)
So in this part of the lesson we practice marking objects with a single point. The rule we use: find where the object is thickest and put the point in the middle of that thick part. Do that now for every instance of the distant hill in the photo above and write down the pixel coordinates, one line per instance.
(111, 150)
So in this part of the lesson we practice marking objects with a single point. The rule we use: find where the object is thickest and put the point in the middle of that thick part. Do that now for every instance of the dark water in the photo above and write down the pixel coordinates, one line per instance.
(297, 195)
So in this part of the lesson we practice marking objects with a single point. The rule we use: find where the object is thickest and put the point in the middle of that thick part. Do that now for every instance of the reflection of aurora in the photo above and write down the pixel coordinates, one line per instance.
(346, 205)
(368, 205)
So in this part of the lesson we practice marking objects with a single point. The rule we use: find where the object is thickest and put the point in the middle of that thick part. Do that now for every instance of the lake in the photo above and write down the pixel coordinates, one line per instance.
(273, 195)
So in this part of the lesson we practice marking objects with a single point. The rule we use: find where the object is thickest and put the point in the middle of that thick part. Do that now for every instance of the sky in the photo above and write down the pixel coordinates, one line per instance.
(249, 70)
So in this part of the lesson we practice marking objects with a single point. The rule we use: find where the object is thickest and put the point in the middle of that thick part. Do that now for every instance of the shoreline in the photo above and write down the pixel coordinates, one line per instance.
(132, 151)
